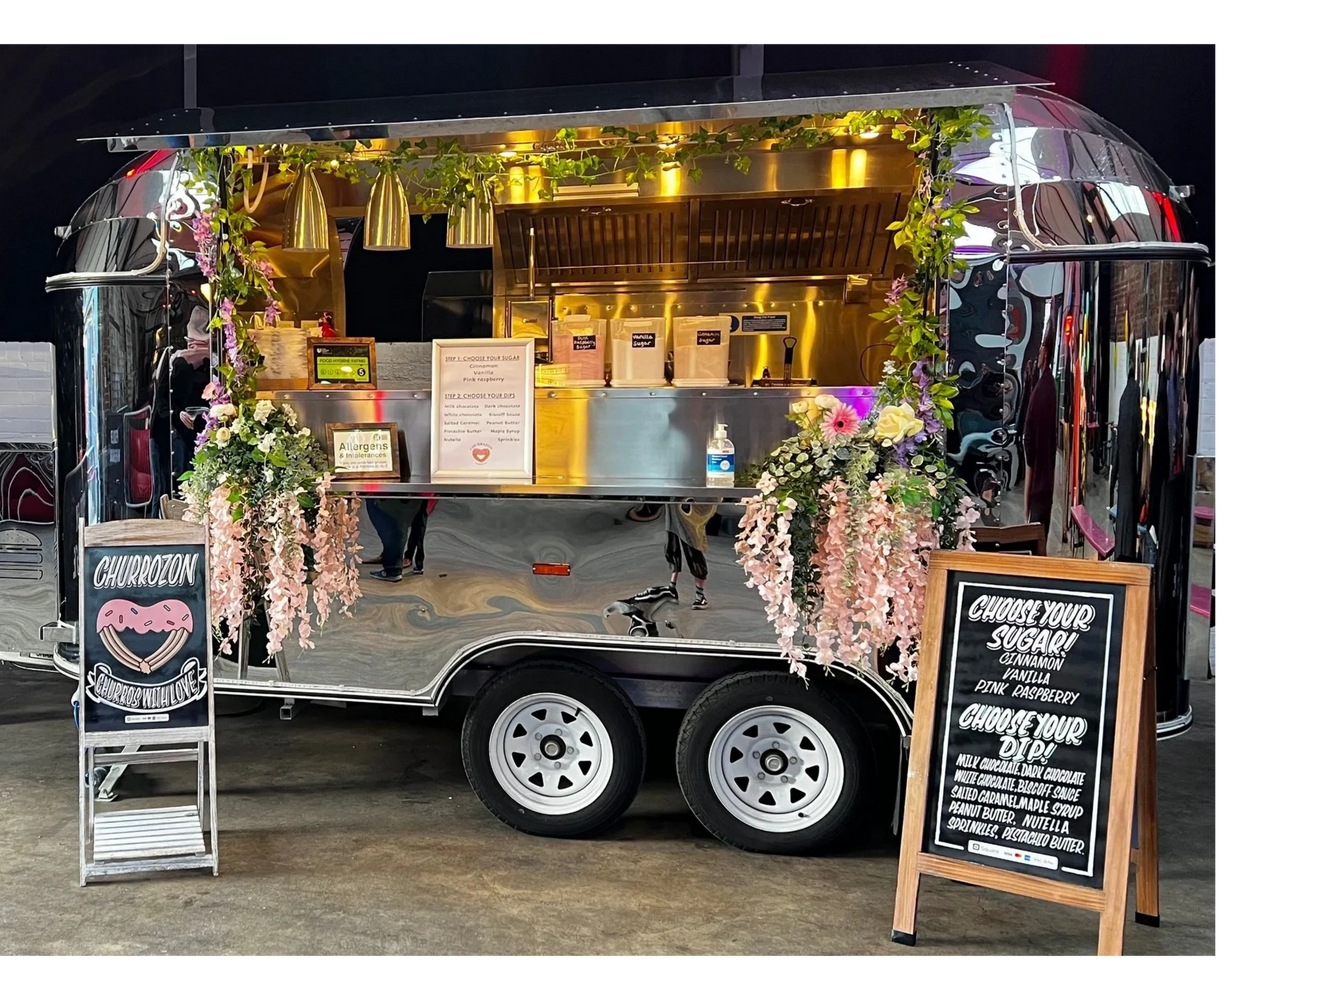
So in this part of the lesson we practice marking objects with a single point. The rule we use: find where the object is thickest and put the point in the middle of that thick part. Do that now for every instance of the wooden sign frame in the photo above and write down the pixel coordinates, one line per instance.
(394, 473)
(1133, 757)
(312, 376)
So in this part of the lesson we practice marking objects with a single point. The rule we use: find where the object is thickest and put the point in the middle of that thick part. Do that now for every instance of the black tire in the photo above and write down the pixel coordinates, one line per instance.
(603, 699)
(717, 708)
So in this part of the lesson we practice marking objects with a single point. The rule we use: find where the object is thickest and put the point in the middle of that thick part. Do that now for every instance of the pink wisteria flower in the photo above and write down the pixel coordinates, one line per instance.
(838, 422)
(257, 558)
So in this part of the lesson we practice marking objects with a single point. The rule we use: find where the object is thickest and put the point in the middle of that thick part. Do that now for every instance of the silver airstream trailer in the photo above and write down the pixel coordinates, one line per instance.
(544, 604)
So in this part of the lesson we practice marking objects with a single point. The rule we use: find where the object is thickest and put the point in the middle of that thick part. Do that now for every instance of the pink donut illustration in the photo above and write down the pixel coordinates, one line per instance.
(172, 618)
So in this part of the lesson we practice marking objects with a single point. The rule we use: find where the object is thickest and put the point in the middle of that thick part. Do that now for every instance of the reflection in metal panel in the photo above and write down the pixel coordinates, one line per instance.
(1054, 174)
(596, 243)
(829, 234)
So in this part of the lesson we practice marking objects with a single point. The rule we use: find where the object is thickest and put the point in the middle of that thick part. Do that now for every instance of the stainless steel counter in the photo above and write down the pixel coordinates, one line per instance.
(628, 443)
(677, 491)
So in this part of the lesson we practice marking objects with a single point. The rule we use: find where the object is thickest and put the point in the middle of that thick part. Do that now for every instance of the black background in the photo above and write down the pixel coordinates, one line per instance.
(1082, 671)
(1162, 95)
(102, 718)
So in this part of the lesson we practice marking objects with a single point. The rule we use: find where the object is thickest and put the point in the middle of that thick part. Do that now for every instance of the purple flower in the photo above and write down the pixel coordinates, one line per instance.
(271, 313)
(205, 244)
(932, 424)
(896, 289)
(227, 310)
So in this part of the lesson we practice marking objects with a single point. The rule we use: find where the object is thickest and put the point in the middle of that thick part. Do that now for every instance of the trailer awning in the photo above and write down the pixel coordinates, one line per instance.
(496, 113)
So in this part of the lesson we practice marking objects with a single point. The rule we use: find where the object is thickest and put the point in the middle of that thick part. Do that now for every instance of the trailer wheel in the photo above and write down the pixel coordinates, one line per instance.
(770, 764)
(554, 749)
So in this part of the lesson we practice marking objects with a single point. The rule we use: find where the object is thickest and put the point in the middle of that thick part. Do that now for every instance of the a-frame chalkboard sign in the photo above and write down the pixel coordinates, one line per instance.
(146, 686)
(1025, 752)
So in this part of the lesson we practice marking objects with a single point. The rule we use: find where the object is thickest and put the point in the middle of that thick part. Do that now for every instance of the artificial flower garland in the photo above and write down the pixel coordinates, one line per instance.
(838, 539)
(280, 540)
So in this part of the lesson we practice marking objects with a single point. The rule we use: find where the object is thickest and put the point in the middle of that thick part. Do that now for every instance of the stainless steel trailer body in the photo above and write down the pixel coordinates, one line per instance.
(524, 599)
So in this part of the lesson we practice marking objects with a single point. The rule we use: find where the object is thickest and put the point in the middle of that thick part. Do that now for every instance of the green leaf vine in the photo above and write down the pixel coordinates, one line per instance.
(929, 230)
(237, 268)
(446, 177)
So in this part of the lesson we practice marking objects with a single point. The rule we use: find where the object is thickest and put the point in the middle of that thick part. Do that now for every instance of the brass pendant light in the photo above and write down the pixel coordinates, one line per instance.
(306, 224)
(471, 224)
(388, 224)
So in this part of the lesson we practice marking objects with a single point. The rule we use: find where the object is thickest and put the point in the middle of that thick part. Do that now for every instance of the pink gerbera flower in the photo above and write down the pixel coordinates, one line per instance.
(839, 422)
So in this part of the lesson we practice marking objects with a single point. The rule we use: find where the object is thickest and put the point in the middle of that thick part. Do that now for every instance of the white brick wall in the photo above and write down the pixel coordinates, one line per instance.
(27, 384)
(403, 366)
(1209, 398)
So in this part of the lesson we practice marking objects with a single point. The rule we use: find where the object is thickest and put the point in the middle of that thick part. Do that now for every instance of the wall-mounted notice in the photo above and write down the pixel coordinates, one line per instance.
(481, 410)
(1022, 771)
(363, 451)
(341, 362)
(762, 323)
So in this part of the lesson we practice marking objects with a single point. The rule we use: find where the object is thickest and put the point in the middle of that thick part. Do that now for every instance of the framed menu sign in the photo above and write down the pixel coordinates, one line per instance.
(481, 410)
(341, 362)
(145, 626)
(1023, 763)
(363, 451)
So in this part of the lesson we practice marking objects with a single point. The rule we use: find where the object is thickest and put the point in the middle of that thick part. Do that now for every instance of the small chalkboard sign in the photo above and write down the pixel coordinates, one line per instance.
(341, 362)
(1023, 763)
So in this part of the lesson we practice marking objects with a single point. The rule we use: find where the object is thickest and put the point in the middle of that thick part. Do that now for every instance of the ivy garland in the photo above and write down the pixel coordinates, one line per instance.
(448, 177)
(929, 230)
(238, 272)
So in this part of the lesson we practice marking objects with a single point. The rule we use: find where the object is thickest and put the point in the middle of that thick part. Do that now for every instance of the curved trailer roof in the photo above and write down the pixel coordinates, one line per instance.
(1053, 179)
(503, 111)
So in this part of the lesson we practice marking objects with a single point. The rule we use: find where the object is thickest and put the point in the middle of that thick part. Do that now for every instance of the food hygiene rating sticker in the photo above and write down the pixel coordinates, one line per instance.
(336, 368)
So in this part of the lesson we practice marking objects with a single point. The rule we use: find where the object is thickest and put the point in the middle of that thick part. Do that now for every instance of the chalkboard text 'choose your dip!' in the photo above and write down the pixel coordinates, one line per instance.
(1025, 722)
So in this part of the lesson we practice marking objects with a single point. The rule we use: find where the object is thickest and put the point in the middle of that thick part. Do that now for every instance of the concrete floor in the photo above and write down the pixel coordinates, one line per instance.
(354, 831)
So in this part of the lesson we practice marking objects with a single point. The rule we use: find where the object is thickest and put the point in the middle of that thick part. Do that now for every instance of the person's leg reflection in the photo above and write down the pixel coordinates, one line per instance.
(415, 556)
(390, 531)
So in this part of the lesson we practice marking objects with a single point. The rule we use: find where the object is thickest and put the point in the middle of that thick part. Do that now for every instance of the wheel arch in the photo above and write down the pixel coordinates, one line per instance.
(874, 698)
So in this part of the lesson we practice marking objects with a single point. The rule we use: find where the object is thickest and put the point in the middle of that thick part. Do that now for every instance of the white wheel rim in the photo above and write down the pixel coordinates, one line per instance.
(787, 798)
(551, 754)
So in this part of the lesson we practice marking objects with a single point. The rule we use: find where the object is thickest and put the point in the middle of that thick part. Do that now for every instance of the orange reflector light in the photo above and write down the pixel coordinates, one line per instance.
(550, 569)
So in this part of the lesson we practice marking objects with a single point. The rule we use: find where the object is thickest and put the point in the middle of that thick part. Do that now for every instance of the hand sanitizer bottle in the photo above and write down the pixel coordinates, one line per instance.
(721, 458)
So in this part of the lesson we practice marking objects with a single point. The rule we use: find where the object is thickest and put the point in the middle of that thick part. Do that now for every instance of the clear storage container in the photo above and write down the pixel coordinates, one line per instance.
(702, 350)
(638, 352)
(578, 346)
